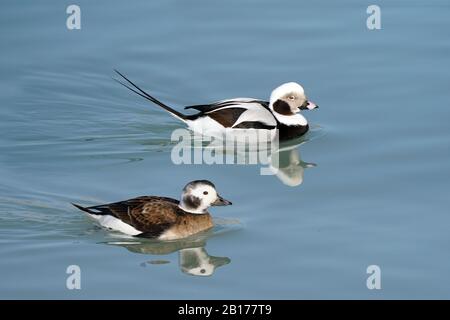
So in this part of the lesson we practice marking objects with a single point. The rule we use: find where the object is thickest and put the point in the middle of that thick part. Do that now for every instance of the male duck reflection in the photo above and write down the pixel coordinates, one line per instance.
(161, 217)
(284, 161)
(279, 115)
(288, 166)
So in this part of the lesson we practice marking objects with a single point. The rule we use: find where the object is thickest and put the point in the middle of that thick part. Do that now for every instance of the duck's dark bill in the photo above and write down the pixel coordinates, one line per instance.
(221, 202)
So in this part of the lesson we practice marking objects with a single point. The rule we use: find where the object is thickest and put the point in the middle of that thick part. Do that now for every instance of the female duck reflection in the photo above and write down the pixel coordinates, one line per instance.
(282, 160)
(193, 259)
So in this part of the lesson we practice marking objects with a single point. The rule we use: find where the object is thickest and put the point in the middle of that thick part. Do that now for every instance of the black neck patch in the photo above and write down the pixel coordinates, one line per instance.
(282, 107)
(191, 202)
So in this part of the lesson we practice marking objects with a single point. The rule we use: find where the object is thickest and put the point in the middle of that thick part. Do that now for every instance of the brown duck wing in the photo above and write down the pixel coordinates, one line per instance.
(154, 217)
(150, 215)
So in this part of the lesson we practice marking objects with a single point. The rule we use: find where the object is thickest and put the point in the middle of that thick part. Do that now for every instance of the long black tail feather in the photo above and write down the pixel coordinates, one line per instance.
(82, 208)
(147, 96)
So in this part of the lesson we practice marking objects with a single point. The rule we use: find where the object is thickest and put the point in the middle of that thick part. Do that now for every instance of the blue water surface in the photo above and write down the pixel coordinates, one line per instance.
(370, 181)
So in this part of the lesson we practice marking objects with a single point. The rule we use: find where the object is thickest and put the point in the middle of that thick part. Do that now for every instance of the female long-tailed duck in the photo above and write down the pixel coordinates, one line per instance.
(279, 115)
(161, 217)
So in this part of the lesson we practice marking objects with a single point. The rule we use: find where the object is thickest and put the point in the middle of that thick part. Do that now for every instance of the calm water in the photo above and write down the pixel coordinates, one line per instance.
(380, 142)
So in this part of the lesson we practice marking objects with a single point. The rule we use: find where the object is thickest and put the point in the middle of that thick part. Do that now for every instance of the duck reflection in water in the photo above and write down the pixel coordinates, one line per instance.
(193, 259)
(287, 165)
(283, 160)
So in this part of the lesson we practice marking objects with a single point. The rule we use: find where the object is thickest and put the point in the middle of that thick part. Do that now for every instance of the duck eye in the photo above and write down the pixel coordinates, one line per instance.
(205, 192)
(291, 97)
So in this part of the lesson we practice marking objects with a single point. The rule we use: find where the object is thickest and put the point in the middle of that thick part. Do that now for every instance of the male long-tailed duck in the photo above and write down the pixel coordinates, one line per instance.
(279, 115)
(161, 217)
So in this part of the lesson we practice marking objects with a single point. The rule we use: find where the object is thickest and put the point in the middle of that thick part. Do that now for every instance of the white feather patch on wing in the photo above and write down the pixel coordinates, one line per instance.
(206, 126)
(256, 113)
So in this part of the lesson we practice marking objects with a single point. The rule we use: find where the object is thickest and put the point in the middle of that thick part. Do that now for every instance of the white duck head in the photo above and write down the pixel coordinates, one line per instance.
(287, 100)
(199, 195)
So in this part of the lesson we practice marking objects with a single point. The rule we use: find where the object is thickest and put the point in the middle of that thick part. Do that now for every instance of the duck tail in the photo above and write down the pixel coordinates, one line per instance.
(82, 208)
(145, 95)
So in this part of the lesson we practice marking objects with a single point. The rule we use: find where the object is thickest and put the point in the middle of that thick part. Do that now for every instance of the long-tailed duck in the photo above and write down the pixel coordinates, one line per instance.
(161, 217)
(279, 115)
